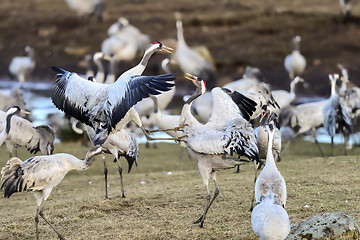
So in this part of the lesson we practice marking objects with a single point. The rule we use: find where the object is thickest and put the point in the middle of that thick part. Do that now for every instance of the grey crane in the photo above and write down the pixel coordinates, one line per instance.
(335, 118)
(270, 177)
(190, 61)
(23, 133)
(84, 8)
(227, 132)
(105, 107)
(40, 174)
(119, 144)
(285, 98)
(269, 218)
(7, 126)
(22, 66)
(295, 62)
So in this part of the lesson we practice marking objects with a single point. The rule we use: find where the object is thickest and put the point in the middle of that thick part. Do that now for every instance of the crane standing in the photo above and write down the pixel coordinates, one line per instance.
(295, 62)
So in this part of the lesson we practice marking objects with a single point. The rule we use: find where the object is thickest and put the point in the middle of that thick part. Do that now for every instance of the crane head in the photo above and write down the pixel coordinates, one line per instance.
(158, 46)
(197, 81)
(16, 109)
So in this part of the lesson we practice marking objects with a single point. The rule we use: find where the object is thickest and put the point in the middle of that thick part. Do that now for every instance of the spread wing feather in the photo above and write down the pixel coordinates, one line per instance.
(95, 103)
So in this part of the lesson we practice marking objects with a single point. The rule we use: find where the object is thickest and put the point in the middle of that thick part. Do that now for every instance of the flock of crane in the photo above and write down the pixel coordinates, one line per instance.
(221, 135)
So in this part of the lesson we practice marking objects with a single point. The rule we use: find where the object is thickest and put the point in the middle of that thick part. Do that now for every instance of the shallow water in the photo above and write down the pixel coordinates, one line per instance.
(38, 102)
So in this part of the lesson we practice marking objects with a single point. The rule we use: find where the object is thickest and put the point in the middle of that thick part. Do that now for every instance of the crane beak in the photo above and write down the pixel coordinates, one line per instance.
(262, 115)
(25, 112)
(344, 79)
(167, 49)
(107, 57)
(190, 77)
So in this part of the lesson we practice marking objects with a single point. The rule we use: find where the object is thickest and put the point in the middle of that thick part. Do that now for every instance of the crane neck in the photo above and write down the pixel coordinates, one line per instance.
(4, 133)
(8, 123)
(180, 33)
(89, 159)
(296, 46)
(139, 69)
(269, 154)
(292, 86)
(31, 54)
(99, 65)
(156, 105)
(186, 115)
(333, 88)
(145, 59)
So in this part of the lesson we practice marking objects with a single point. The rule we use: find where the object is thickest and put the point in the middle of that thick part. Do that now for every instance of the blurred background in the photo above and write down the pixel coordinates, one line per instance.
(236, 33)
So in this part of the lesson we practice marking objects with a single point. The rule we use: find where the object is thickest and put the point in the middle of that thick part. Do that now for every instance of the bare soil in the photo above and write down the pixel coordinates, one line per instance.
(237, 32)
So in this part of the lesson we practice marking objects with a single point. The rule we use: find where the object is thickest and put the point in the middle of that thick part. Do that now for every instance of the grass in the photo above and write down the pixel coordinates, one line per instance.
(159, 205)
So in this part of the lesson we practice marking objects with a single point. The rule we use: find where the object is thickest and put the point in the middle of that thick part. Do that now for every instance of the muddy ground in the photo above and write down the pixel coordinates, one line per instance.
(238, 33)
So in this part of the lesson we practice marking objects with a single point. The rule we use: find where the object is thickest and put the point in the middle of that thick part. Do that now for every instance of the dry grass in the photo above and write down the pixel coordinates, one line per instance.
(166, 205)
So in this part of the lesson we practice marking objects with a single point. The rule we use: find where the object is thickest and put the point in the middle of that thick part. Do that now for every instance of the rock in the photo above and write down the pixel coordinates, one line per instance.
(331, 225)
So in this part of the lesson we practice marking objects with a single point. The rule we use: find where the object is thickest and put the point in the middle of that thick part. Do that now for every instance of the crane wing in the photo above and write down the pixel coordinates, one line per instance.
(75, 95)
(102, 106)
(136, 88)
(236, 138)
(33, 174)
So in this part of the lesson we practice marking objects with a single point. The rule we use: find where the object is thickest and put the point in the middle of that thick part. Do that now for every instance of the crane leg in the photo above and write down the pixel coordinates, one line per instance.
(208, 201)
(40, 211)
(317, 143)
(146, 133)
(175, 129)
(106, 180)
(121, 178)
(346, 140)
(208, 204)
(37, 223)
(332, 146)
(59, 235)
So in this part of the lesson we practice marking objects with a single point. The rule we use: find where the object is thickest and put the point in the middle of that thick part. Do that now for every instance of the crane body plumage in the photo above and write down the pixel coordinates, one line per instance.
(260, 93)
(189, 60)
(251, 77)
(40, 174)
(87, 7)
(23, 133)
(295, 62)
(22, 66)
(269, 220)
(119, 144)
